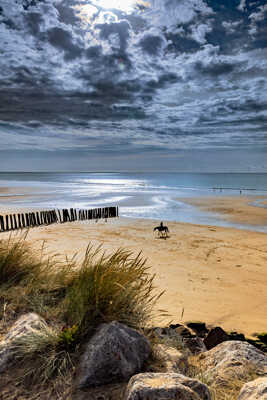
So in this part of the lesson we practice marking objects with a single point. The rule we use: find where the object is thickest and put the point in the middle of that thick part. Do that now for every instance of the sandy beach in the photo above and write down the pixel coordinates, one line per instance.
(238, 209)
(212, 274)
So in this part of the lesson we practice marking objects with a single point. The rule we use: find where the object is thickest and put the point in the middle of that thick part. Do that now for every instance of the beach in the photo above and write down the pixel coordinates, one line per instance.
(208, 273)
(237, 209)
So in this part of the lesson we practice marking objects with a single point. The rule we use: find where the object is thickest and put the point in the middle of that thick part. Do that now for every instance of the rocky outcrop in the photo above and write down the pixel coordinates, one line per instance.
(171, 359)
(115, 353)
(199, 328)
(24, 326)
(255, 390)
(232, 359)
(215, 336)
(167, 386)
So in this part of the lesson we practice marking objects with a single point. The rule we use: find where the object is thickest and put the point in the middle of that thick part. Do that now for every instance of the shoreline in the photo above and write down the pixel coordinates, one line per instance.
(235, 209)
(208, 273)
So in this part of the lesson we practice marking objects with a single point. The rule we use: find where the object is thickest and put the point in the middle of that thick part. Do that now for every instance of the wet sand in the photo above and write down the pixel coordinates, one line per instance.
(238, 209)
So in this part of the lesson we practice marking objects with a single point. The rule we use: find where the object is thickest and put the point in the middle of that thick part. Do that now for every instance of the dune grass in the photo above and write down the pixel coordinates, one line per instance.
(73, 298)
(17, 263)
(110, 287)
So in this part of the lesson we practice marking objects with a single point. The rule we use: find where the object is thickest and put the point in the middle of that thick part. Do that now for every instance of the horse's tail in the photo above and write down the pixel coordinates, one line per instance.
(155, 229)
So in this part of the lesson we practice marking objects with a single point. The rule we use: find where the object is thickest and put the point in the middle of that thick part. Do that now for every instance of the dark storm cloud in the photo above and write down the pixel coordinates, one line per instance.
(151, 44)
(169, 75)
(62, 39)
(120, 29)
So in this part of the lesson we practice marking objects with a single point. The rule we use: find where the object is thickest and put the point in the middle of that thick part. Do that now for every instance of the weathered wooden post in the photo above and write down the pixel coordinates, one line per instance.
(7, 225)
(27, 220)
(59, 215)
(19, 221)
(23, 220)
(2, 223)
(55, 216)
(38, 218)
(15, 221)
(11, 222)
(34, 219)
(71, 215)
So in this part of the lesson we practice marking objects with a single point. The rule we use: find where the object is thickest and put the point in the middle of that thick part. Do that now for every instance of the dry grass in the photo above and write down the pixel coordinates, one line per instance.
(74, 299)
(17, 264)
(110, 288)
(225, 389)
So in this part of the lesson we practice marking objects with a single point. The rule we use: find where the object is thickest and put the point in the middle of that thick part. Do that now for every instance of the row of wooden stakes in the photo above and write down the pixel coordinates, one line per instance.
(38, 218)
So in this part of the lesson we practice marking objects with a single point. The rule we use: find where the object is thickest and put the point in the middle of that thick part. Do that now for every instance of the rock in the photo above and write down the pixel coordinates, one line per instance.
(174, 326)
(236, 336)
(172, 360)
(165, 387)
(114, 353)
(185, 332)
(195, 345)
(262, 337)
(24, 326)
(255, 390)
(257, 343)
(199, 328)
(232, 359)
(215, 336)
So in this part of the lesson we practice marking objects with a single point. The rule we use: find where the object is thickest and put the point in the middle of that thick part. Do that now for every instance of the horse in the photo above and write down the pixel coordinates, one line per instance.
(162, 230)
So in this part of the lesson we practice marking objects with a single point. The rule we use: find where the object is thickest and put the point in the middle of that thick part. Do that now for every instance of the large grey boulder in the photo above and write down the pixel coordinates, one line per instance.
(232, 359)
(254, 390)
(24, 326)
(167, 386)
(114, 353)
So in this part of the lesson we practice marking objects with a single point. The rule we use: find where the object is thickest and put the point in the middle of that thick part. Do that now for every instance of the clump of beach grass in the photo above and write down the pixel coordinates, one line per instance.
(224, 389)
(17, 263)
(110, 287)
(74, 298)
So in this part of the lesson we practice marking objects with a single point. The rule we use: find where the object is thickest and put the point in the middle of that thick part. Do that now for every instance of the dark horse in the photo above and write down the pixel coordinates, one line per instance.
(162, 230)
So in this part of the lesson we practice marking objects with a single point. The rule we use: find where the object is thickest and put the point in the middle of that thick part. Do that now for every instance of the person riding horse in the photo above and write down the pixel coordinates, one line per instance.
(162, 230)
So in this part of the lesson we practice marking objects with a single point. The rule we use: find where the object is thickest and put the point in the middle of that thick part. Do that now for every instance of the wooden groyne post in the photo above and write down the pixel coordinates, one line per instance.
(48, 217)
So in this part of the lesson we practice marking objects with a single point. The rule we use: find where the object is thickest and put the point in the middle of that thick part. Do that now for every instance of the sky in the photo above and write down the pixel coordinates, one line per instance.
(120, 85)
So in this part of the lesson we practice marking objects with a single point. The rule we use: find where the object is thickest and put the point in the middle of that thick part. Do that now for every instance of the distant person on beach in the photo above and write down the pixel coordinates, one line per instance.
(162, 230)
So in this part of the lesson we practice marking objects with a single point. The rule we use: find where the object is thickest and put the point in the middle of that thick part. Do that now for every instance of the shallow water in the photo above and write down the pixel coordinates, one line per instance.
(138, 195)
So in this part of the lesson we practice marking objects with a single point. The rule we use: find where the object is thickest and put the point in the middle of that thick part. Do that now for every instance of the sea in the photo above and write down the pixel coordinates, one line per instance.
(139, 195)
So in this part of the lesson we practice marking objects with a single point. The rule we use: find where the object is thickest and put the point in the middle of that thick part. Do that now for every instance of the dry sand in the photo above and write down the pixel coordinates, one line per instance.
(211, 274)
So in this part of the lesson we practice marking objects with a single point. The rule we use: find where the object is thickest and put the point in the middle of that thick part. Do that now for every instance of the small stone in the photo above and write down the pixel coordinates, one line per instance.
(236, 336)
(215, 336)
(185, 332)
(174, 326)
(199, 328)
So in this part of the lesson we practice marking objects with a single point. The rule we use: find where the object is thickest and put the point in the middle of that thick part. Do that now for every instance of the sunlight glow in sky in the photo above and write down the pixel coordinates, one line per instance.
(133, 84)
(123, 5)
